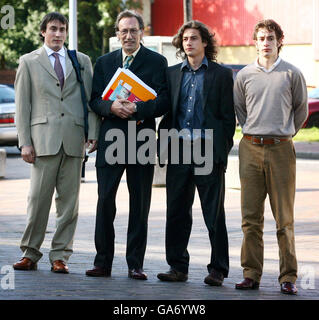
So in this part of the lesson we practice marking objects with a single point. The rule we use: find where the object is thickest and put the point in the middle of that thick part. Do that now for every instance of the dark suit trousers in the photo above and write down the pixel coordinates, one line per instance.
(180, 184)
(139, 182)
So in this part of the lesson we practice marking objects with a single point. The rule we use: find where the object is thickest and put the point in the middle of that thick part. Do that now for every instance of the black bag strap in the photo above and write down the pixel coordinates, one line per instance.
(77, 67)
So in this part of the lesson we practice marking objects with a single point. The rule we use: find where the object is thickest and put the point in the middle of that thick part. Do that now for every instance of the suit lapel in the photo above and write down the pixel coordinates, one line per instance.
(45, 62)
(208, 81)
(176, 78)
(138, 60)
(68, 65)
(119, 59)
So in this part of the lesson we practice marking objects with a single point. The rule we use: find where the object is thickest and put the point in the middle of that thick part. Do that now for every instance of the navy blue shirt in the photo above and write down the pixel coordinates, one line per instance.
(190, 113)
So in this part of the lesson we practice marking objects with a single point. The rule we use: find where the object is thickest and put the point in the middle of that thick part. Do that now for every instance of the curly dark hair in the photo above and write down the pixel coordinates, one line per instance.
(206, 35)
(270, 25)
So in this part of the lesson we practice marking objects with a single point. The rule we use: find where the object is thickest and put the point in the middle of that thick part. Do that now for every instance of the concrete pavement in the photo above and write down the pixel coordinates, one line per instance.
(45, 285)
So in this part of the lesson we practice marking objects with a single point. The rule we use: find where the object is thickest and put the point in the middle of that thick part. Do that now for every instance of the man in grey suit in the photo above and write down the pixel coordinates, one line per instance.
(50, 124)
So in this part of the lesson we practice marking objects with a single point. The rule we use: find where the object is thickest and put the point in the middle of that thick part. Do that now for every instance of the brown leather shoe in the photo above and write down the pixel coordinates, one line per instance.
(98, 272)
(288, 288)
(25, 264)
(137, 274)
(215, 278)
(173, 276)
(247, 284)
(59, 266)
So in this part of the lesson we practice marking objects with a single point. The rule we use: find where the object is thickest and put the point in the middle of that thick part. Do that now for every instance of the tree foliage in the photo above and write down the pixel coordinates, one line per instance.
(96, 20)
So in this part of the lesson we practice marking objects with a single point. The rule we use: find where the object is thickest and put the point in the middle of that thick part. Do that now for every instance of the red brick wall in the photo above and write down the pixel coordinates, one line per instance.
(7, 76)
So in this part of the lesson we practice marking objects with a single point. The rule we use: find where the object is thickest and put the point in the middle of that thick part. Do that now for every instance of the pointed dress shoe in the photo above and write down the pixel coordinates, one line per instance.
(215, 278)
(137, 274)
(288, 288)
(25, 264)
(173, 276)
(59, 266)
(247, 284)
(98, 272)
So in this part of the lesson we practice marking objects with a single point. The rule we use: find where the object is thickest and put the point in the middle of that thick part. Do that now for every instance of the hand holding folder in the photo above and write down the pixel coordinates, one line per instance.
(126, 85)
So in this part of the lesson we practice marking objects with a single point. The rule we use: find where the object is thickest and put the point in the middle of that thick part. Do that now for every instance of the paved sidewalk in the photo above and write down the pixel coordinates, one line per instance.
(45, 285)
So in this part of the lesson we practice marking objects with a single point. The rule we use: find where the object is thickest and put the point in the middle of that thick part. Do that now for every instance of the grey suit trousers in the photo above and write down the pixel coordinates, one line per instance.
(60, 173)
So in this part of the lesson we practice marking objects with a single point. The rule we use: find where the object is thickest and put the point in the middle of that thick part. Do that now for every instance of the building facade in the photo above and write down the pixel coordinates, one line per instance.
(233, 22)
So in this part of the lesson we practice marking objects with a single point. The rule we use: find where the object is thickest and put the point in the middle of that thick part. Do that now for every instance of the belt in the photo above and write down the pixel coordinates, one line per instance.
(262, 140)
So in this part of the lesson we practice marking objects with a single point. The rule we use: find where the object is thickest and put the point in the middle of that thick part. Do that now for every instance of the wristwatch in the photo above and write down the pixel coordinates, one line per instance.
(135, 107)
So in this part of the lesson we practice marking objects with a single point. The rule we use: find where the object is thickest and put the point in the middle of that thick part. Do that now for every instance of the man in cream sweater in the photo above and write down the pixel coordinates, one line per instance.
(271, 106)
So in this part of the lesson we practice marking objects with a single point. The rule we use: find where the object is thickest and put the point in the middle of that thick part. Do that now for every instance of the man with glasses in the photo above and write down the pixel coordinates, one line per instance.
(150, 67)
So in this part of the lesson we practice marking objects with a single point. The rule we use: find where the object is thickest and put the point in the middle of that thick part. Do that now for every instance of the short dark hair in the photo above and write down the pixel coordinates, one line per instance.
(129, 14)
(270, 25)
(207, 37)
(51, 17)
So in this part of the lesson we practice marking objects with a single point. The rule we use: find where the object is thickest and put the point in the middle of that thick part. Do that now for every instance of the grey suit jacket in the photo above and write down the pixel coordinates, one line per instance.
(47, 117)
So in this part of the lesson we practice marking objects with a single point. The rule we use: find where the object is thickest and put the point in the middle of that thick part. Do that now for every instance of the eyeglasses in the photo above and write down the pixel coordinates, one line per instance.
(125, 32)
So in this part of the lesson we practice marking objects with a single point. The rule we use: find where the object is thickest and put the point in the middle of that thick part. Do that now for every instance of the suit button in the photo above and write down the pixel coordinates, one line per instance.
(62, 114)
(61, 99)
(58, 84)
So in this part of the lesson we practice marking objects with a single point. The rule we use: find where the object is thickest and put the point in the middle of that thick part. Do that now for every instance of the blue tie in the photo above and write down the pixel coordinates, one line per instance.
(128, 59)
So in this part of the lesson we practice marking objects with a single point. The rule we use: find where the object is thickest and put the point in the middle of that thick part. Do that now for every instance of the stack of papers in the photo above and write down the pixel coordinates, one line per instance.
(127, 85)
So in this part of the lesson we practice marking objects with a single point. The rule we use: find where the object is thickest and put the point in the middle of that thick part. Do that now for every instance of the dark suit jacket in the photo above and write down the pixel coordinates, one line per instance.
(150, 67)
(217, 103)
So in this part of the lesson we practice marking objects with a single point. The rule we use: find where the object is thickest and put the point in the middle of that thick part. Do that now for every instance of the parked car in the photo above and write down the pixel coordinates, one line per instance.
(235, 68)
(8, 131)
(313, 105)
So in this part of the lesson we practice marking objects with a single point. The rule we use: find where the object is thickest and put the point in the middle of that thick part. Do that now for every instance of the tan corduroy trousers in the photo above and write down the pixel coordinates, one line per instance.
(267, 169)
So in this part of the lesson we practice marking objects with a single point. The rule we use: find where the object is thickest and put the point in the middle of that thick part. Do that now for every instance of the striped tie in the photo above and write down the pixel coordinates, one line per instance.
(58, 69)
(128, 59)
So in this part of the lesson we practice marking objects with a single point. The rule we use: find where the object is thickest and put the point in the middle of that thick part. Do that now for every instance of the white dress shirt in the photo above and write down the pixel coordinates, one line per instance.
(271, 68)
(124, 55)
(61, 53)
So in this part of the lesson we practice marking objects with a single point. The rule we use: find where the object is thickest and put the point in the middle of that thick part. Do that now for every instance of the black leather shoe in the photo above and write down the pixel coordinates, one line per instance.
(247, 284)
(98, 272)
(173, 275)
(137, 274)
(215, 278)
(288, 288)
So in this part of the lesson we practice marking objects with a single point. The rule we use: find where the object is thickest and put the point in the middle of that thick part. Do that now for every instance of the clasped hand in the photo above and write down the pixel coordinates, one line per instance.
(123, 108)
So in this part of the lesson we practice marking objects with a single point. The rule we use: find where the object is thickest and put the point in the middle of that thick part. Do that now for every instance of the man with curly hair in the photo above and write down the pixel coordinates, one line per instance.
(201, 94)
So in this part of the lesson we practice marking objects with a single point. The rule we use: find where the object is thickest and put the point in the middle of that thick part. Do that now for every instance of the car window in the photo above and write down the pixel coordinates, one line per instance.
(314, 94)
(6, 94)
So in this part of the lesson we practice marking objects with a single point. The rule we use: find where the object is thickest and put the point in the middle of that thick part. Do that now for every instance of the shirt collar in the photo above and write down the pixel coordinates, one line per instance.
(186, 64)
(124, 55)
(271, 68)
(49, 51)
